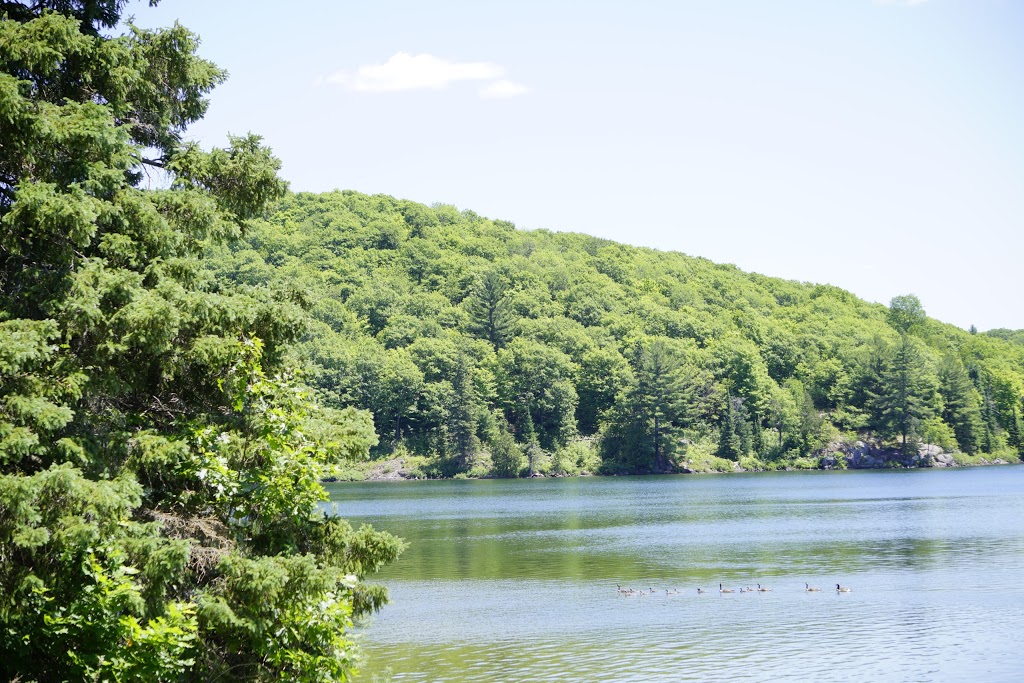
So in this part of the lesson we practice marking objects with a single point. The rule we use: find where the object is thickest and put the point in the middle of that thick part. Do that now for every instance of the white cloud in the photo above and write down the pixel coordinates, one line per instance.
(404, 71)
(503, 89)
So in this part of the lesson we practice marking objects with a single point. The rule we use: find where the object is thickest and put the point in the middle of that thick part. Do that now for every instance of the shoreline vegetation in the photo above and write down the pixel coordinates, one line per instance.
(413, 468)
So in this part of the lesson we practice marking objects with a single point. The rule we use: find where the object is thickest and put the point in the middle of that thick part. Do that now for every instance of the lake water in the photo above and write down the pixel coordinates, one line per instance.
(515, 580)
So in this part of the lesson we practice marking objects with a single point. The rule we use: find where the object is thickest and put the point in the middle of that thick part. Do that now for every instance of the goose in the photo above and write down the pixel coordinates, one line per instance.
(763, 590)
(808, 589)
(842, 589)
(701, 591)
(671, 592)
(746, 590)
(725, 590)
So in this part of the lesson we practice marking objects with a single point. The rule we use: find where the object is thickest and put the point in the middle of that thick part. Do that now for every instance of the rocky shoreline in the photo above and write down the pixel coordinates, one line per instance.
(862, 455)
(859, 455)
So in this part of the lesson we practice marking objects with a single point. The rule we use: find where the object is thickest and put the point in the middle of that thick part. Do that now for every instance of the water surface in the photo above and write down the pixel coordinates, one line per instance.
(515, 580)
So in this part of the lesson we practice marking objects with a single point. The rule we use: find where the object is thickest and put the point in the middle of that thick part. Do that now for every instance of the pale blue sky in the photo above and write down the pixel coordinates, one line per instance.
(877, 146)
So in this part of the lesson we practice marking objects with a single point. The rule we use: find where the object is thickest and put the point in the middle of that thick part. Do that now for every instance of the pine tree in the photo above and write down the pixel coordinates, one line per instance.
(757, 442)
(960, 403)
(906, 394)
(462, 418)
(507, 457)
(1013, 433)
(730, 444)
(490, 312)
(661, 400)
(991, 439)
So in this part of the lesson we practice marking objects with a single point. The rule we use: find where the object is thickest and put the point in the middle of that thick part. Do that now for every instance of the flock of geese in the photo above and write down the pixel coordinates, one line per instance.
(808, 588)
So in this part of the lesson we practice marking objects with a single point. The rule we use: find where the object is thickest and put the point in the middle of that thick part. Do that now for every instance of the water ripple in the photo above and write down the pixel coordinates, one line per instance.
(517, 582)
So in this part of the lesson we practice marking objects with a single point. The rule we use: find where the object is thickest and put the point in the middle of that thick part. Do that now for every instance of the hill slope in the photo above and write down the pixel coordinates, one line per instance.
(492, 350)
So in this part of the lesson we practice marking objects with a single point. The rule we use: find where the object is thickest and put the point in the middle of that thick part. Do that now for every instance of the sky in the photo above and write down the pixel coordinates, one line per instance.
(876, 145)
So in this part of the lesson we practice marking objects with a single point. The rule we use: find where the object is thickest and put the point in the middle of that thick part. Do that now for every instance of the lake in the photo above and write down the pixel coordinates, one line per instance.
(515, 580)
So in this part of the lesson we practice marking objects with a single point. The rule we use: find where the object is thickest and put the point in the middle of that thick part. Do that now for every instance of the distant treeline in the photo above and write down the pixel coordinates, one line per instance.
(497, 351)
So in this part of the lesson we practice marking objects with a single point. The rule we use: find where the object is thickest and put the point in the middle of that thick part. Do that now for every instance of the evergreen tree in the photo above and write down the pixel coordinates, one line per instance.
(662, 398)
(992, 438)
(537, 460)
(462, 412)
(658, 402)
(730, 444)
(1013, 433)
(490, 313)
(906, 394)
(757, 436)
(159, 490)
(960, 403)
(507, 457)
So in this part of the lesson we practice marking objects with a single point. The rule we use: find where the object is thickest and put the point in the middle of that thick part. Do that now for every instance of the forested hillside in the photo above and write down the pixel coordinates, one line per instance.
(491, 350)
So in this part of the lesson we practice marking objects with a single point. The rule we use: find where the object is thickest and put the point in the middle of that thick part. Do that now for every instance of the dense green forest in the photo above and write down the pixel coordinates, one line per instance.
(481, 349)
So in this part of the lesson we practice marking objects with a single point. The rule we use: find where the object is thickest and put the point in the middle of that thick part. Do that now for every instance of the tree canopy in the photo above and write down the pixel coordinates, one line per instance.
(607, 357)
(160, 457)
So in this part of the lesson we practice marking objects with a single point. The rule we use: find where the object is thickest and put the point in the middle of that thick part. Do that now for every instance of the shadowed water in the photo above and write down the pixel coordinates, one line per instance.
(516, 580)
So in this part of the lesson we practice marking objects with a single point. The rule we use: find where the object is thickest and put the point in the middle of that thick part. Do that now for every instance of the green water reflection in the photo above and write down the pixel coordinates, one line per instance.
(515, 580)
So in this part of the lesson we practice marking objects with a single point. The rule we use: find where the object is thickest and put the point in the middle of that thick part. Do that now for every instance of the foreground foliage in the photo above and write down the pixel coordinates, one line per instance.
(495, 351)
(160, 459)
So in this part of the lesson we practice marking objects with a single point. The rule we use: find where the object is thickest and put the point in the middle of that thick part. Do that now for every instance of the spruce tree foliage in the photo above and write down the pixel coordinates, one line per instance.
(960, 403)
(489, 309)
(991, 439)
(906, 395)
(1013, 433)
(655, 408)
(463, 412)
(507, 455)
(730, 437)
(159, 488)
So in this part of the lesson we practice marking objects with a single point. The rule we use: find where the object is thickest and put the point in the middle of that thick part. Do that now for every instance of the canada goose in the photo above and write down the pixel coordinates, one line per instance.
(671, 592)
(746, 590)
(725, 590)
(808, 589)
(763, 590)
(701, 591)
(842, 589)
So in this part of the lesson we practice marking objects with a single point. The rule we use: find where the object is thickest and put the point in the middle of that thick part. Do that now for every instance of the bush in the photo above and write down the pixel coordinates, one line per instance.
(574, 458)
(507, 457)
